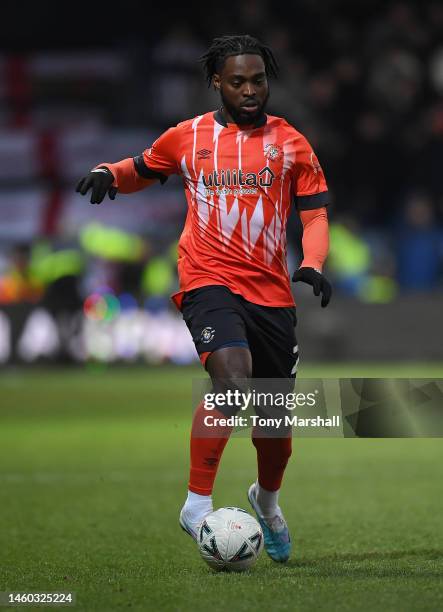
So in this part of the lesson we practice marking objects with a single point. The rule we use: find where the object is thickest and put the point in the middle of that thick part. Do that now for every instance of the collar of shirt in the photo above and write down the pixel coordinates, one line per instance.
(219, 118)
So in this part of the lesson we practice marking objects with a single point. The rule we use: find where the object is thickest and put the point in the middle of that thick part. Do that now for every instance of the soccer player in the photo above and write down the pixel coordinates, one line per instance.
(241, 171)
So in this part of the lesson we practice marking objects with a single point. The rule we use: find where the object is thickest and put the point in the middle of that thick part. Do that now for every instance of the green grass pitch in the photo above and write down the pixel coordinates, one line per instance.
(93, 472)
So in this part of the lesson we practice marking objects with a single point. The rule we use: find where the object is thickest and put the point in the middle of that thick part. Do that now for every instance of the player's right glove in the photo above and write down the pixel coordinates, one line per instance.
(316, 279)
(100, 181)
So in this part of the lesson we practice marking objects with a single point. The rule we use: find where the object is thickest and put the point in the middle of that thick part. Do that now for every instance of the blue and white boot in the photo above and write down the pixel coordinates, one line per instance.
(277, 540)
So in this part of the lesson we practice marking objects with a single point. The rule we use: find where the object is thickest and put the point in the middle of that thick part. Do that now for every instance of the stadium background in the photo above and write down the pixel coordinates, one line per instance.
(92, 453)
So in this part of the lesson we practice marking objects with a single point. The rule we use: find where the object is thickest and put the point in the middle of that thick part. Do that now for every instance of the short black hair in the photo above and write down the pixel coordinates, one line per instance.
(226, 46)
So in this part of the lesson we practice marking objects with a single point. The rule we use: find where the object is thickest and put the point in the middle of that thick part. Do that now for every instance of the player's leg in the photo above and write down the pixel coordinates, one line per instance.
(275, 358)
(228, 367)
(219, 334)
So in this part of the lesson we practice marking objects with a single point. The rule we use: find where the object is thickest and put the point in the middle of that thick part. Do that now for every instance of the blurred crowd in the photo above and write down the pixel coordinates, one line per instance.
(363, 81)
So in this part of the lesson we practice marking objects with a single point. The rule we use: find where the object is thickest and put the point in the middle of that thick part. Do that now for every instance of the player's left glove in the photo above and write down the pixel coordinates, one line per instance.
(317, 280)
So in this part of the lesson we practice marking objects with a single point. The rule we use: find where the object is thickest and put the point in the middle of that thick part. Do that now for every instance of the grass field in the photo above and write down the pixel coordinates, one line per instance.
(93, 472)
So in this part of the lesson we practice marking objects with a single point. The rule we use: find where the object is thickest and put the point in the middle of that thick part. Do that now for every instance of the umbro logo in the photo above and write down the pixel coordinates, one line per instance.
(203, 154)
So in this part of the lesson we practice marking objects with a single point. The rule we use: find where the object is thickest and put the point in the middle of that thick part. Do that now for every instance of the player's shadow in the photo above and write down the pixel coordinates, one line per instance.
(336, 565)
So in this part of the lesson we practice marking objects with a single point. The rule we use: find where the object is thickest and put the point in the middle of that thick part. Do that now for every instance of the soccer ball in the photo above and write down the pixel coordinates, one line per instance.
(230, 539)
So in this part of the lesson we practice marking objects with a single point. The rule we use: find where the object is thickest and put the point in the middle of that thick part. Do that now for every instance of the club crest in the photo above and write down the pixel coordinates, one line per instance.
(207, 334)
(273, 152)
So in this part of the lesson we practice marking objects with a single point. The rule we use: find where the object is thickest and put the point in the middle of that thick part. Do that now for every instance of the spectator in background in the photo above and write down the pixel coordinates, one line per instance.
(176, 73)
(19, 283)
(419, 245)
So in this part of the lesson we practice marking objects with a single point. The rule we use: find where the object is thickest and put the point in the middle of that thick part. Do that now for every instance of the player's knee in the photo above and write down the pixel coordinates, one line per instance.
(231, 391)
(233, 363)
(230, 370)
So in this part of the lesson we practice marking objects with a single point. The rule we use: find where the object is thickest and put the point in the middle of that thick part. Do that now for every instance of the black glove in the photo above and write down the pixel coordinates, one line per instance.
(100, 180)
(317, 280)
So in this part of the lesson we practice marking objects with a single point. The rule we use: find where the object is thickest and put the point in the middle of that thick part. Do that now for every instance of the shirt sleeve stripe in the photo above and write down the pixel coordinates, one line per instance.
(145, 172)
(309, 202)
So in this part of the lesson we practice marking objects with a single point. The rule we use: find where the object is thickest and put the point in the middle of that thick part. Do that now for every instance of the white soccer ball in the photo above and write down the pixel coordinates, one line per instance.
(230, 539)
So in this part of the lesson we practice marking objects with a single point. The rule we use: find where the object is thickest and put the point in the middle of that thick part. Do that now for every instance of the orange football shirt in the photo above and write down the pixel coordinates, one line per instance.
(240, 183)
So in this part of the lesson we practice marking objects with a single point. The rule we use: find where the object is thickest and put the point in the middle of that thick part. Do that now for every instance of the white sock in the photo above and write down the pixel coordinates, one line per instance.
(197, 506)
(267, 501)
(196, 498)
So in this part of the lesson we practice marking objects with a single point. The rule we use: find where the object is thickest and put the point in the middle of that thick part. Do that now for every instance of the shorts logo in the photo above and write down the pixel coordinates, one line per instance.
(207, 335)
(273, 152)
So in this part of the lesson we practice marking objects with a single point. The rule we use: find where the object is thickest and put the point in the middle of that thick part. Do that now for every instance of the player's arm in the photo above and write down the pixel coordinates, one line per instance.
(312, 197)
(315, 243)
(133, 174)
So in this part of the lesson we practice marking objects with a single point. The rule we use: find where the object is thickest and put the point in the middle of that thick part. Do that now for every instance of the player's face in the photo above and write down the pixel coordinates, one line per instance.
(243, 88)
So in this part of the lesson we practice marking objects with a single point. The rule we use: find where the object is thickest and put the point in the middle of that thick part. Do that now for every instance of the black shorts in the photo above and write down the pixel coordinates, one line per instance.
(218, 318)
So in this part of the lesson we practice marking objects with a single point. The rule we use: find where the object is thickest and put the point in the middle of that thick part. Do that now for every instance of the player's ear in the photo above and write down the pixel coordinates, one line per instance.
(216, 82)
